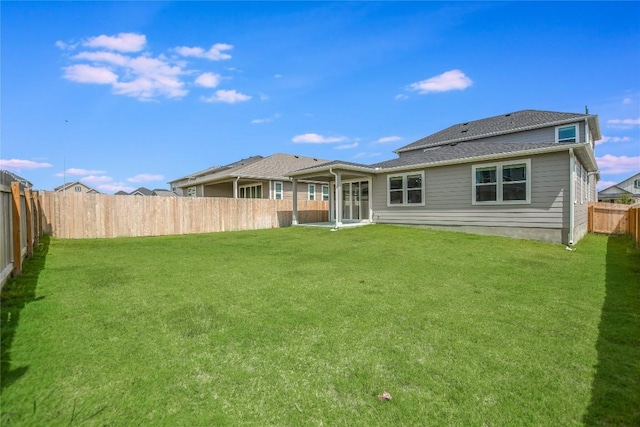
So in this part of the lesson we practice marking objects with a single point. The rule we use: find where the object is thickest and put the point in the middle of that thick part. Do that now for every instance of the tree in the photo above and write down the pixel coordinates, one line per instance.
(625, 199)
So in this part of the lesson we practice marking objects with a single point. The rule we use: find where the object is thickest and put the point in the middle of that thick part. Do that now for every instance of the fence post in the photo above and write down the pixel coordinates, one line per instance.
(590, 219)
(17, 249)
(29, 214)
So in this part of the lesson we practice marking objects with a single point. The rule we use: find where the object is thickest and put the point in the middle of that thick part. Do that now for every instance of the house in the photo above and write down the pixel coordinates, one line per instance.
(255, 177)
(163, 193)
(141, 191)
(76, 187)
(527, 174)
(630, 187)
(7, 177)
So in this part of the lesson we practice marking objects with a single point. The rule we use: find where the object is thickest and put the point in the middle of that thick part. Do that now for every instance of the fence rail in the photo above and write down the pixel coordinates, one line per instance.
(610, 218)
(82, 215)
(20, 225)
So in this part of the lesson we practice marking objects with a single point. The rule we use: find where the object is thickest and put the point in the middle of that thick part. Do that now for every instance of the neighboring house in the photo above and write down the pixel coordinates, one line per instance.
(76, 187)
(256, 177)
(121, 193)
(7, 177)
(141, 191)
(630, 187)
(163, 193)
(527, 174)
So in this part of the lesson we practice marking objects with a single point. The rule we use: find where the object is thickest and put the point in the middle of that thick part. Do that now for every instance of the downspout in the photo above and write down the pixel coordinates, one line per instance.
(572, 196)
(338, 196)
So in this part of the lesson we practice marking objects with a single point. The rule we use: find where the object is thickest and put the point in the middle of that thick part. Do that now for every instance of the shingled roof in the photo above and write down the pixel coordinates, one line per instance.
(498, 125)
(276, 166)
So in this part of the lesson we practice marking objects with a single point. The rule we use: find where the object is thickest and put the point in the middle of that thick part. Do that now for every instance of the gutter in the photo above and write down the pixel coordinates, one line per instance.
(572, 196)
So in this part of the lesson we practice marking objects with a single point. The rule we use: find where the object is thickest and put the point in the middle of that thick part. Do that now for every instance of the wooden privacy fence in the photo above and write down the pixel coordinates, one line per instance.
(81, 215)
(20, 225)
(610, 218)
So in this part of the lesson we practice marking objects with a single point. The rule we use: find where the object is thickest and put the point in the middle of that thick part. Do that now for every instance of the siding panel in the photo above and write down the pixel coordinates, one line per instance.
(448, 195)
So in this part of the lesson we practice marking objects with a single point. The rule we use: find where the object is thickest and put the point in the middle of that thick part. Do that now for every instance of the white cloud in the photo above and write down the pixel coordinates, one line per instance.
(612, 139)
(449, 80)
(277, 76)
(215, 53)
(65, 46)
(227, 96)
(146, 177)
(266, 120)
(605, 184)
(610, 164)
(208, 80)
(115, 187)
(19, 164)
(623, 123)
(387, 139)
(94, 179)
(314, 138)
(83, 73)
(80, 172)
(346, 146)
(141, 77)
(401, 97)
(123, 42)
(627, 101)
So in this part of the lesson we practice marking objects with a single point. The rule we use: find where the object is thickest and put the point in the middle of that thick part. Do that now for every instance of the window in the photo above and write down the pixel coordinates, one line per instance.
(312, 191)
(406, 189)
(251, 191)
(191, 191)
(503, 182)
(636, 183)
(277, 190)
(78, 189)
(325, 192)
(567, 133)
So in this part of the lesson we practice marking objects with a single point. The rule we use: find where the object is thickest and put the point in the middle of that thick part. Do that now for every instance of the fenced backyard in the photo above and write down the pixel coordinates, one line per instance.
(611, 218)
(20, 225)
(80, 215)
(301, 326)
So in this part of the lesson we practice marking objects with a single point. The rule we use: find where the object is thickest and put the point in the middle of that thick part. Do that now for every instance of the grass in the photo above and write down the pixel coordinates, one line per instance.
(303, 326)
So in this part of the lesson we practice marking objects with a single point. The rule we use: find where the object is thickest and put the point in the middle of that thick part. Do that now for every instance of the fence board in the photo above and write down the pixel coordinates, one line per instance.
(610, 218)
(83, 215)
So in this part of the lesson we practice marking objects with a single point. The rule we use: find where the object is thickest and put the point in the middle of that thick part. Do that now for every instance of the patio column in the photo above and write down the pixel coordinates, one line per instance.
(294, 219)
(235, 188)
(338, 176)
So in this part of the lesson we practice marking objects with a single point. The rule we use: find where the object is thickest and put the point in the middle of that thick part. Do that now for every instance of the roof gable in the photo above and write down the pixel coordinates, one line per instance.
(498, 125)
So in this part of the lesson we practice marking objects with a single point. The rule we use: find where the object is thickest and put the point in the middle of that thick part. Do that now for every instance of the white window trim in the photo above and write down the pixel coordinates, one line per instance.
(636, 183)
(499, 183)
(404, 189)
(244, 187)
(328, 192)
(566, 126)
(275, 192)
(311, 195)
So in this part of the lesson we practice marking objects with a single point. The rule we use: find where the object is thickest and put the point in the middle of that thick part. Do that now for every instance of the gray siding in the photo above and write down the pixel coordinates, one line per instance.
(535, 136)
(448, 200)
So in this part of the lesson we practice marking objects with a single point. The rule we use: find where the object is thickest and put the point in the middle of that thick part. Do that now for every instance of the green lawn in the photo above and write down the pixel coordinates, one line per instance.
(303, 326)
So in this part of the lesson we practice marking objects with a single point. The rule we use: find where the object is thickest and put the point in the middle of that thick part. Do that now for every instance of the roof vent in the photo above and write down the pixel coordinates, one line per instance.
(296, 157)
(464, 130)
(464, 124)
(507, 115)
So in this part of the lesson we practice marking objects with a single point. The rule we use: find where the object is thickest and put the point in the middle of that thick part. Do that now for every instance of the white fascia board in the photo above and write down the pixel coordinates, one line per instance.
(487, 157)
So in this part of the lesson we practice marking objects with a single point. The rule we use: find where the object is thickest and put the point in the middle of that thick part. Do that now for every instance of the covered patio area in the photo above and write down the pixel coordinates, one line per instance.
(350, 198)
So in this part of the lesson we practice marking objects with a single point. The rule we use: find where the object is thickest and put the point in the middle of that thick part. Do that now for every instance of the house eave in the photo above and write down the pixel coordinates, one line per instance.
(486, 157)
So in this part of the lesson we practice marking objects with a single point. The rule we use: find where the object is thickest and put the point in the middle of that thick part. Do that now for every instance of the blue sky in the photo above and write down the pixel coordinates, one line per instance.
(127, 94)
